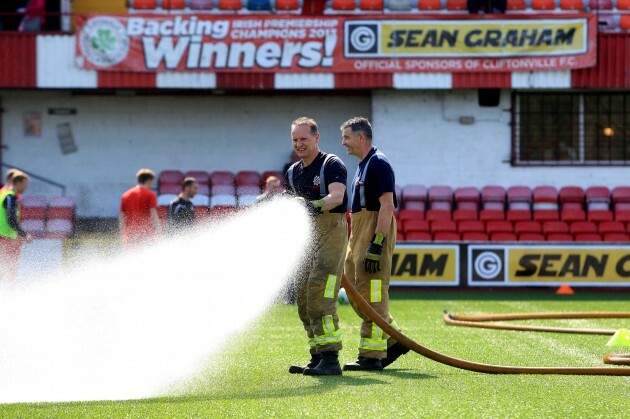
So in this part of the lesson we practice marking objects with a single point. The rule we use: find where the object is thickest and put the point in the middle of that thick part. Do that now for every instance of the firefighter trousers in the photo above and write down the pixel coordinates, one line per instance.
(374, 288)
(318, 281)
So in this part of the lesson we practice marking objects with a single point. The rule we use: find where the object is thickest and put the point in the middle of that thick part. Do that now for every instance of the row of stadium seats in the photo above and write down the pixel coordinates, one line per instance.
(197, 6)
(511, 237)
(246, 182)
(48, 218)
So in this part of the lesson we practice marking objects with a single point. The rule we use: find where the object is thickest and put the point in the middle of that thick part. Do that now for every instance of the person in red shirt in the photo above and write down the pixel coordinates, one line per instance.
(139, 221)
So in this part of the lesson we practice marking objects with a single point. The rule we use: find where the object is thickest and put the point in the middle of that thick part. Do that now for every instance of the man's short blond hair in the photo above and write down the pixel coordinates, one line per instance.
(304, 120)
(11, 173)
(145, 175)
(19, 177)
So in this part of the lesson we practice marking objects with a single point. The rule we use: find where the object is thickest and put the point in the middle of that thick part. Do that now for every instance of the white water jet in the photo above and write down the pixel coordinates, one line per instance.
(133, 327)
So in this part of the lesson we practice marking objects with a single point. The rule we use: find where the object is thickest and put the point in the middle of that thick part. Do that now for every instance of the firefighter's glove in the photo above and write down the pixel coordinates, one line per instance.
(372, 261)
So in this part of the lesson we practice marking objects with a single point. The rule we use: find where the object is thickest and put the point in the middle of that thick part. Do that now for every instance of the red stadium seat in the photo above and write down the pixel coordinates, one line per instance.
(492, 194)
(622, 216)
(462, 214)
(468, 205)
(491, 215)
(61, 229)
(471, 227)
(441, 205)
(456, 5)
(202, 177)
(443, 227)
(248, 190)
(519, 215)
(600, 215)
(597, 194)
(546, 215)
(407, 214)
(416, 226)
(446, 237)
(621, 194)
(601, 4)
(543, 4)
(588, 237)
(572, 215)
(468, 194)
(616, 237)
(35, 228)
(559, 237)
(527, 227)
(429, 4)
(414, 193)
(287, 4)
(343, 4)
(503, 237)
(248, 178)
(491, 205)
(221, 178)
(519, 194)
(555, 227)
(144, 4)
(572, 194)
(371, 4)
(583, 227)
(169, 189)
(624, 22)
(400, 237)
(531, 237)
(174, 4)
(475, 237)
(499, 227)
(415, 205)
(623, 4)
(609, 227)
(162, 211)
(438, 215)
(60, 208)
(516, 5)
(622, 206)
(171, 177)
(545, 198)
(577, 5)
(230, 4)
(418, 236)
(33, 208)
(201, 4)
(223, 190)
(440, 194)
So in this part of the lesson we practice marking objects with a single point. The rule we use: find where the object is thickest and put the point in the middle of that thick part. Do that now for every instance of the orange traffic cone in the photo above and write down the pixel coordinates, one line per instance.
(565, 289)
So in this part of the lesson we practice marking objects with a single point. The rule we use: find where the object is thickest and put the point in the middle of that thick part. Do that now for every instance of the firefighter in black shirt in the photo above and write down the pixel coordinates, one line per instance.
(181, 211)
(319, 181)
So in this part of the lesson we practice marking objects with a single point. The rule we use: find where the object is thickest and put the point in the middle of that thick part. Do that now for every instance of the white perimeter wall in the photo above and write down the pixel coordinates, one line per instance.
(421, 133)
(117, 135)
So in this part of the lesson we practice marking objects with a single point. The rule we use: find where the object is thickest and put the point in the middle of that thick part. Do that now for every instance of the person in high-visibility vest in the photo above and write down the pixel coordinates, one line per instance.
(372, 240)
(11, 233)
(318, 181)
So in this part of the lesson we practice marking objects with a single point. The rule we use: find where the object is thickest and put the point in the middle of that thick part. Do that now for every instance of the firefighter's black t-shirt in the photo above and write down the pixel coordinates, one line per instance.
(181, 213)
(307, 182)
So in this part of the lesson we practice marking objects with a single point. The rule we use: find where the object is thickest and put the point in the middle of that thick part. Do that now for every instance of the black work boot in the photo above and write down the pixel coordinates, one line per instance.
(393, 353)
(315, 358)
(364, 364)
(329, 365)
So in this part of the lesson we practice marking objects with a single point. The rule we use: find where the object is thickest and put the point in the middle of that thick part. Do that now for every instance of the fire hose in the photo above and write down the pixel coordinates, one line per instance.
(486, 321)
(359, 302)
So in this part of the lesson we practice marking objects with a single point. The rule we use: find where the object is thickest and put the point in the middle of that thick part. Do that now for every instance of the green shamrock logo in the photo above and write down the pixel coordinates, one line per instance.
(103, 41)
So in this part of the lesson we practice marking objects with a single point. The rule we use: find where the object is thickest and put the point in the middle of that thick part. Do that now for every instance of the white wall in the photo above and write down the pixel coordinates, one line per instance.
(420, 132)
(117, 135)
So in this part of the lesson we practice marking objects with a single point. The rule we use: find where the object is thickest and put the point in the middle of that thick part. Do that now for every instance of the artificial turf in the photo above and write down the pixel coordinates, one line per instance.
(249, 377)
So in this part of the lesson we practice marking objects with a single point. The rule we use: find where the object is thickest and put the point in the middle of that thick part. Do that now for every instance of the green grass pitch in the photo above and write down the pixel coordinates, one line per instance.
(249, 377)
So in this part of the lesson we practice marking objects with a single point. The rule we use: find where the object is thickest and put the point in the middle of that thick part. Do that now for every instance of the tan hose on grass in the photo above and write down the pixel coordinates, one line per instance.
(485, 321)
(356, 298)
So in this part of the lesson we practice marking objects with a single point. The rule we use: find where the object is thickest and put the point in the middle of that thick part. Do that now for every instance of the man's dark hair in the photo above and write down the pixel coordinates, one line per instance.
(357, 125)
(145, 175)
(189, 181)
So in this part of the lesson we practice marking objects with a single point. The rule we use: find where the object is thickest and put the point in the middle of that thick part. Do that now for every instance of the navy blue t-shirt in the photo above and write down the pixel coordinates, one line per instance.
(380, 179)
(306, 179)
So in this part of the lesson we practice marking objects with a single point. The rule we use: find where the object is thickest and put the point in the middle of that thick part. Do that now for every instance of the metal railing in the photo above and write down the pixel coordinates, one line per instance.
(38, 177)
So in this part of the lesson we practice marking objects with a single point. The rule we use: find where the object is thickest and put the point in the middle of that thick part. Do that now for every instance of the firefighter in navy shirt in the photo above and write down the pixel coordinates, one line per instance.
(181, 211)
(369, 257)
(319, 181)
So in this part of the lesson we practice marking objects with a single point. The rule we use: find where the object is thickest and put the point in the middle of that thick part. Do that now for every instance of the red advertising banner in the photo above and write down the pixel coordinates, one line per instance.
(216, 43)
